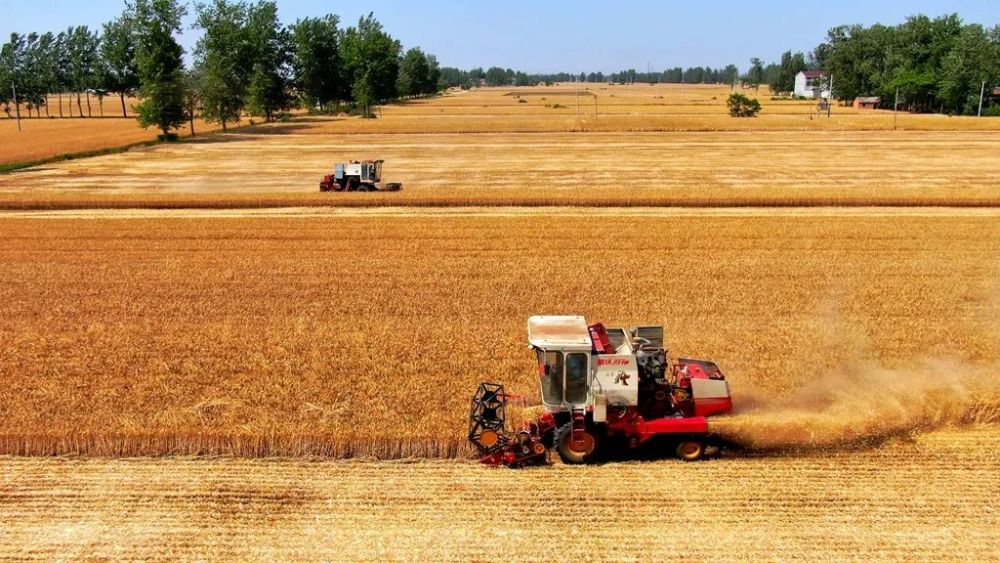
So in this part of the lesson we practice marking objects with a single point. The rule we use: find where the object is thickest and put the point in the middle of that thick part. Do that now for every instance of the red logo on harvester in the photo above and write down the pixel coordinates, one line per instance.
(612, 361)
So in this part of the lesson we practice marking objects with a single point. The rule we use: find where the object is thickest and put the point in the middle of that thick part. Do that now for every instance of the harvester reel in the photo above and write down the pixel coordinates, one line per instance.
(487, 418)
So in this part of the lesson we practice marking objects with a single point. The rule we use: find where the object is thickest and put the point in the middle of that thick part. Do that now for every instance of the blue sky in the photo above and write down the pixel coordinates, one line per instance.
(565, 35)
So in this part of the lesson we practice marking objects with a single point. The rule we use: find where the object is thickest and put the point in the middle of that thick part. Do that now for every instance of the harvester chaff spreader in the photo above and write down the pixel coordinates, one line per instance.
(599, 386)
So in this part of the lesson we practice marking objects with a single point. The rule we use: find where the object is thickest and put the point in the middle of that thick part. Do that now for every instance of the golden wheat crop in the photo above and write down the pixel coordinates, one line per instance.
(930, 499)
(649, 169)
(364, 335)
(42, 138)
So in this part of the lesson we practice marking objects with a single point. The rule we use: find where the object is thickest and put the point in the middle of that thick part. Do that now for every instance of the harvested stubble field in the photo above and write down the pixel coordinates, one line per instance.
(933, 499)
(618, 108)
(364, 335)
(267, 169)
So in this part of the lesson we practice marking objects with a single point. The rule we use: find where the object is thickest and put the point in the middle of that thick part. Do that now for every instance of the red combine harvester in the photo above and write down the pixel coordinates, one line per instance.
(602, 385)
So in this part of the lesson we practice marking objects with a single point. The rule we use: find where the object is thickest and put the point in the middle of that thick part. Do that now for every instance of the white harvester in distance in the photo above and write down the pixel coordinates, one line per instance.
(357, 175)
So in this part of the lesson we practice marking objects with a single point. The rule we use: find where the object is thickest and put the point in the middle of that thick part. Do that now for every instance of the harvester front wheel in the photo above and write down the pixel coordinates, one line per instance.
(575, 452)
(691, 450)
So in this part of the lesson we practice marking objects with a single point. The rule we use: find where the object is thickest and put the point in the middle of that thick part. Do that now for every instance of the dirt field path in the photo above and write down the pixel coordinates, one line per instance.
(932, 499)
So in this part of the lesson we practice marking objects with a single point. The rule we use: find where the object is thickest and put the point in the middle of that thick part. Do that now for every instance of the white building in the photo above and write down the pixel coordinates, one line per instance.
(812, 84)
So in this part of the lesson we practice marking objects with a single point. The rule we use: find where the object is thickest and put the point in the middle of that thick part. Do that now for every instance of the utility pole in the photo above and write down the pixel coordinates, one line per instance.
(982, 91)
(895, 109)
(829, 99)
(17, 108)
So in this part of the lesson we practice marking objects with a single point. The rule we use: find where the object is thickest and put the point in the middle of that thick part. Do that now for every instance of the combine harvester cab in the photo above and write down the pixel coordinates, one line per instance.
(601, 385)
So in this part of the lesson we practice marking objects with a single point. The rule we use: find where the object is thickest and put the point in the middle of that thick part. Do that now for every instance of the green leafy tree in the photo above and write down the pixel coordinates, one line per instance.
(432, 84)
(496, 76)
(47, 68)
(26, 69)
(11, 70)
(973, 60)
(223, 57)
(270, 53)
(371, 60)
(791, 65)
(363, 92)
(192, 80)
(30, 91)
(414, 73)
(729, 74)
(755, 76)
(63, 80)
(84, 58)
(316, 61)
(934, 64)
(160, 65)
(120, 70)
(742, 106)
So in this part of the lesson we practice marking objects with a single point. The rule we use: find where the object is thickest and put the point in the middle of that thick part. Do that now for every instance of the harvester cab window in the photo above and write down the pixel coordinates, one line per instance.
(550, 366)
(576, 378)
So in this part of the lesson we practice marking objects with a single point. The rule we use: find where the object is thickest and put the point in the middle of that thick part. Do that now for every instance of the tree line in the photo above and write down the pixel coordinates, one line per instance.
(498, 76)
(935, 65)
(246, 62)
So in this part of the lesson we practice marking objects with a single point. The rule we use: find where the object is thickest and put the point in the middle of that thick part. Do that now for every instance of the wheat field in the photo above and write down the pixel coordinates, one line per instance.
(363, 335)
(542, 109)
(202, 357)
(929, 499)
(48, 136)
(267, 169)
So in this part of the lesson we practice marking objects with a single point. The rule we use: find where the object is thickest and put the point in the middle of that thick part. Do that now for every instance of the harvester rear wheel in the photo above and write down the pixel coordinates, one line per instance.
(691, 450)
(576, 453)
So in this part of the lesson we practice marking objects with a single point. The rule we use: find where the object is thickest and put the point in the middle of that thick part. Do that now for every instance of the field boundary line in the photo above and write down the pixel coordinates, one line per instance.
(277, 202)
(502, 212)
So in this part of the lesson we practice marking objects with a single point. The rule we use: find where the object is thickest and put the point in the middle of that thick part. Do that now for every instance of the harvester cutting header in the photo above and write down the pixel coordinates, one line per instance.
(601, 385)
